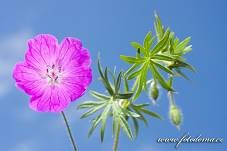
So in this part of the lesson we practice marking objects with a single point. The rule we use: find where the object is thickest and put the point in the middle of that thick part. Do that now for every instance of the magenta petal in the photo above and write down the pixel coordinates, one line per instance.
(42, 51)
(52, 100)
(28, 79)
(69, 48)
(76, 66)
(53, 75)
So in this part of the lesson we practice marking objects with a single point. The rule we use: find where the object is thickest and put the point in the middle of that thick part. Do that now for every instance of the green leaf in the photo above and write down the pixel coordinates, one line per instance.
(159, 77)
(148, 42)
(180, 47)
(115, 117)
(144, 75)
(126, 88)
(138, 46)
(125, 95)
(89, 104)
(132, 114)
(104, 79)
(181, 73)
(141, 105)
(163, 57)
(141, 115)
(187, 49)
(136, 126)
(175, 43)
(153, 114)
(112, 75)
(104, 117)
(131, 60)
(118, 82)
(139, 89)
(131, 69)
(99, 96)
(125, 127)
(161, 44)
(160, 66)
(108, 84)
(158, 27)
(95, 123)
(135, 83)
(92, 111)
(185, 65)
(136, 73)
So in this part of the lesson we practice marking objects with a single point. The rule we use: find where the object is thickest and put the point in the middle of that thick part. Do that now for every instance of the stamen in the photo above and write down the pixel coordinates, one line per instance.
(53, 73)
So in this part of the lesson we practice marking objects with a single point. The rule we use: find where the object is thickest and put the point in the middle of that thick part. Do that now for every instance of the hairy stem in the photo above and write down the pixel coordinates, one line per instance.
(69, 131)
(116, 138)
(171, 99)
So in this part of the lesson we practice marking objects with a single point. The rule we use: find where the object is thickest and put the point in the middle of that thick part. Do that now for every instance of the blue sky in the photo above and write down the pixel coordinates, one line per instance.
(108, 26)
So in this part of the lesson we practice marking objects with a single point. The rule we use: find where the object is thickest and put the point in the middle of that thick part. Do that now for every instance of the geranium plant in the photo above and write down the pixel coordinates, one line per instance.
(161, 55)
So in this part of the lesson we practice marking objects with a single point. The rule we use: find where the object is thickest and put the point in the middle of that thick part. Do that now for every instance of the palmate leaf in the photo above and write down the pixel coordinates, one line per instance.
(181, 46)
(141, 115)
(163, 57)
(138, 46)
(104, 79)
(131, 60)
(161, 44)
(160, 66)
(181, 64)
(145, 111)
(107, 106)
(136, 126)
(133, 67)
(126, 85)
(118, 82)
(92, 111)
(153, 114)
(159, 29)
(99, 96)
(136, 73)
(147, 43)
(161, 54)
(104, 116)
(181, 73)
(95, 123)
(125, 95)
(159, 77)
(125, 126)
(90, 104)
(147, 40)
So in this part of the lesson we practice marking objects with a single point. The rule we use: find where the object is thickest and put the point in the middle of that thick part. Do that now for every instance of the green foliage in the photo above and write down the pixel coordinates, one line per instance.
(165, 56)
(116, 105)
(161, 56)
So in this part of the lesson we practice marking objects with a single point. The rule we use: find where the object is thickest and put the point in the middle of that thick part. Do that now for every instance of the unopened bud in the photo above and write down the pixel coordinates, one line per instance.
(154, 92)
(175, 115)
(124, 103)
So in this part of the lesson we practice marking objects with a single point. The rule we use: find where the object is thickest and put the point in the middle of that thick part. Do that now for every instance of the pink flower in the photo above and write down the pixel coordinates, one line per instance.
(53, 75)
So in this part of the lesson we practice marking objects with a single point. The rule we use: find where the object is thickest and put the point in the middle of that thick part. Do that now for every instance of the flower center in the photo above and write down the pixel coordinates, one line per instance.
(53, 74)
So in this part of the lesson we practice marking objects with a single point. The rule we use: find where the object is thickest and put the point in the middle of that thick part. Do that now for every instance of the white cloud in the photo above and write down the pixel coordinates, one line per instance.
(24, 146)
(12, 48)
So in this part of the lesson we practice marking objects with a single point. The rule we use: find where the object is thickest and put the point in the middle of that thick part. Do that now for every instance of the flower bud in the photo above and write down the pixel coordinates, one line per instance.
(154, 92)
(124, 103)
(175, 115)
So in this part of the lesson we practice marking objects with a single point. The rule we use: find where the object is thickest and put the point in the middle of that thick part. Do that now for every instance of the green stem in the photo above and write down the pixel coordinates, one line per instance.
(171, 99)
(69, 131)
(116, 138)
